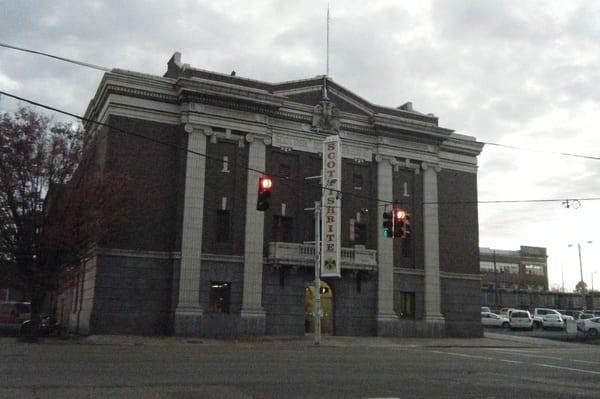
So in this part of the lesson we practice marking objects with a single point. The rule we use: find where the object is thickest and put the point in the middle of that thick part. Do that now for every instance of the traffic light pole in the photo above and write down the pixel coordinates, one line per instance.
(317, 273)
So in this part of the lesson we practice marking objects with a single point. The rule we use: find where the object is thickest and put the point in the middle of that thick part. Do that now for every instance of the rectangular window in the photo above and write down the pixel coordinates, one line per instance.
(406, 248)
(283, 229)
(219, 297)
(225, 164)
(486, 267)
(223, 226)
(407, 305)
(284, 170)
(534, 270)
(360, 233)
(357, 181)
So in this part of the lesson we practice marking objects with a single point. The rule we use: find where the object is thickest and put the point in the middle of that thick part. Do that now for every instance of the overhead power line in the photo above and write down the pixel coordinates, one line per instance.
(56, 57)
(105, 69)
(285, 179)
(566, 154)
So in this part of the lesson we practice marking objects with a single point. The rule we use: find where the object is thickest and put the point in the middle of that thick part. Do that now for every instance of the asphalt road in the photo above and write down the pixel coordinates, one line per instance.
(298, 369)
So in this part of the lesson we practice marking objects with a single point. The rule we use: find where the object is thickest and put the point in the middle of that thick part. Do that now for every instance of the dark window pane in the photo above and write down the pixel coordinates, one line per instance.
(357, 181)
(406, 248)
(223, 226)
(283, 229)
(284, 170)
(360, 233)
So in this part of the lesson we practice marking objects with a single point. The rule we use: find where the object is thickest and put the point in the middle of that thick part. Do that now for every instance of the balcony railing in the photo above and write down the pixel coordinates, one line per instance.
(286, 253)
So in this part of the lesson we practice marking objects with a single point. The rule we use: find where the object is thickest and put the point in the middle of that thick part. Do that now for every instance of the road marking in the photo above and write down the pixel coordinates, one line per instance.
(517, 361)
(530, 354)
(584, 361)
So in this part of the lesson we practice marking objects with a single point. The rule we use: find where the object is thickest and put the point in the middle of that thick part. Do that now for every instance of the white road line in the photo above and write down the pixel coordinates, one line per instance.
(584, 361)
(516, 361)
(567, 368)
(530, 354)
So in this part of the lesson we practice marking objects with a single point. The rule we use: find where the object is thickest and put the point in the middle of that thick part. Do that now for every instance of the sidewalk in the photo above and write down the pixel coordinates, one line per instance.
(490, 340)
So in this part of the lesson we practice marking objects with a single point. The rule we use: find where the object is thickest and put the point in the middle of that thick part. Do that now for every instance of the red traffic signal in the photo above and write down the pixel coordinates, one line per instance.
(399, 219)
(265, 184)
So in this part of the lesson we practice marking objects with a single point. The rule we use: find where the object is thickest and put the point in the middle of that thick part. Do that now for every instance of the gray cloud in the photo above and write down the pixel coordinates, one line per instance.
(516, 72)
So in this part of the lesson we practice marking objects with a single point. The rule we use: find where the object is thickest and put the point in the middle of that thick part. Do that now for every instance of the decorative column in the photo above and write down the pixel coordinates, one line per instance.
(188, 313)
(252, 318)
(386, 317)
(433, 314)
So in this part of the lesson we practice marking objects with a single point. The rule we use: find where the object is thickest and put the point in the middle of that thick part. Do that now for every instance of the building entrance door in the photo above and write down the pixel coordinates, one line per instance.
(326, 309)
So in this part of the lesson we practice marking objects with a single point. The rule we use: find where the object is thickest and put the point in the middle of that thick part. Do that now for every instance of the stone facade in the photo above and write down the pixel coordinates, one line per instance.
(197, 259)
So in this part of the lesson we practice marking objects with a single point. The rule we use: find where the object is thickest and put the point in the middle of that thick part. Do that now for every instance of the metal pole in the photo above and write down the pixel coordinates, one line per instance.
(317, 273)
(580, 264)
(583, 304)
(495, 282)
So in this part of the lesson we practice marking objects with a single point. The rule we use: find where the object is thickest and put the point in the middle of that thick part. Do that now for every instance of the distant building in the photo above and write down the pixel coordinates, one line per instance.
(523, 270)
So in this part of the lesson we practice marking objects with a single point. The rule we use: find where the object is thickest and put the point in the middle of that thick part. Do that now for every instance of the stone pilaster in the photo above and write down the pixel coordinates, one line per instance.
(386, 317)
(433, 314)
(188, 313)
(252, 320)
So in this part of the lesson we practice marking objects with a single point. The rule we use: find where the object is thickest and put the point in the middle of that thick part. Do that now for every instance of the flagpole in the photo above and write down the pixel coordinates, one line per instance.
(317, 273)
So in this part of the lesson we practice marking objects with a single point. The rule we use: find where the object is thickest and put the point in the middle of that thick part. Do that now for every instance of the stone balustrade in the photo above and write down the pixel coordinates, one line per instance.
(286, 253)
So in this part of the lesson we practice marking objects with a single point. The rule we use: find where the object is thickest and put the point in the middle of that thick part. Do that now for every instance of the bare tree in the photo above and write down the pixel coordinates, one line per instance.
(53, 204)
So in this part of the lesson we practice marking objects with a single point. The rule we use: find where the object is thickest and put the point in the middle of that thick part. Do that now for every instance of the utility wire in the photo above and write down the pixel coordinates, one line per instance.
(180, 148)
(101, 68)
(566, 154)
(81, 63)
(284, 179)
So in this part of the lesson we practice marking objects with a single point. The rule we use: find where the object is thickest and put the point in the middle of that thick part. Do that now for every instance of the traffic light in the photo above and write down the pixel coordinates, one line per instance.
(406, 232)
(399, 218)
(264, 193)
(388, 225)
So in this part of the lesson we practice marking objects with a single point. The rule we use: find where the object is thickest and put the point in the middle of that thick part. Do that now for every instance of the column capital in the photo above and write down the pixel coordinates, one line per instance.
(250, 138)
(431, 166)
(194, 128)
(386, 158)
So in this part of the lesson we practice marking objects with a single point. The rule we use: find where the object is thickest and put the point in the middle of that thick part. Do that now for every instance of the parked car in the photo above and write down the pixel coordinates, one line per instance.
(552, 320)
(489, 319)
(585, 315)
(574, 314)
(539, 313)
(485, 309)
(48, 327)
(505, 312)
(520, 319)
(590, 326)
(13, 314)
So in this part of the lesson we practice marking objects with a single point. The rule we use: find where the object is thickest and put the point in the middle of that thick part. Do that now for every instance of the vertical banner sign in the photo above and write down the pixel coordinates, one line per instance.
(332, 207)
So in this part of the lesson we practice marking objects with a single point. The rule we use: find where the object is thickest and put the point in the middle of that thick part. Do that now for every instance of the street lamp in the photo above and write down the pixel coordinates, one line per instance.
(582, 283)
(593, 281)
(580, 264)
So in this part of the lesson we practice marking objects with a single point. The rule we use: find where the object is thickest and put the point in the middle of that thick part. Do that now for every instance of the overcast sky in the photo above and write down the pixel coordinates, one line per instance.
(520, 73)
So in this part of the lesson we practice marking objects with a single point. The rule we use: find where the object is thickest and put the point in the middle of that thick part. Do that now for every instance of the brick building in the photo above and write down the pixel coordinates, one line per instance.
(208, 263)
(523, 270)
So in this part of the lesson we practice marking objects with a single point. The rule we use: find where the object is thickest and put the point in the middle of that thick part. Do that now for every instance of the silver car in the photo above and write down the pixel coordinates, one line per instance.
(520, 319)
(551, 320)
(489, 319)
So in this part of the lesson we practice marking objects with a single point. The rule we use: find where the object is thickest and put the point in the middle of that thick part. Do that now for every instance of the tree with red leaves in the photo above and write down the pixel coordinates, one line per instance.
(54, 205)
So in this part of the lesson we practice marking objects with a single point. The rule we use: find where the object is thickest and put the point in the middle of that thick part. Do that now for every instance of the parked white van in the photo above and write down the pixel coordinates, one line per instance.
(520, 319)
